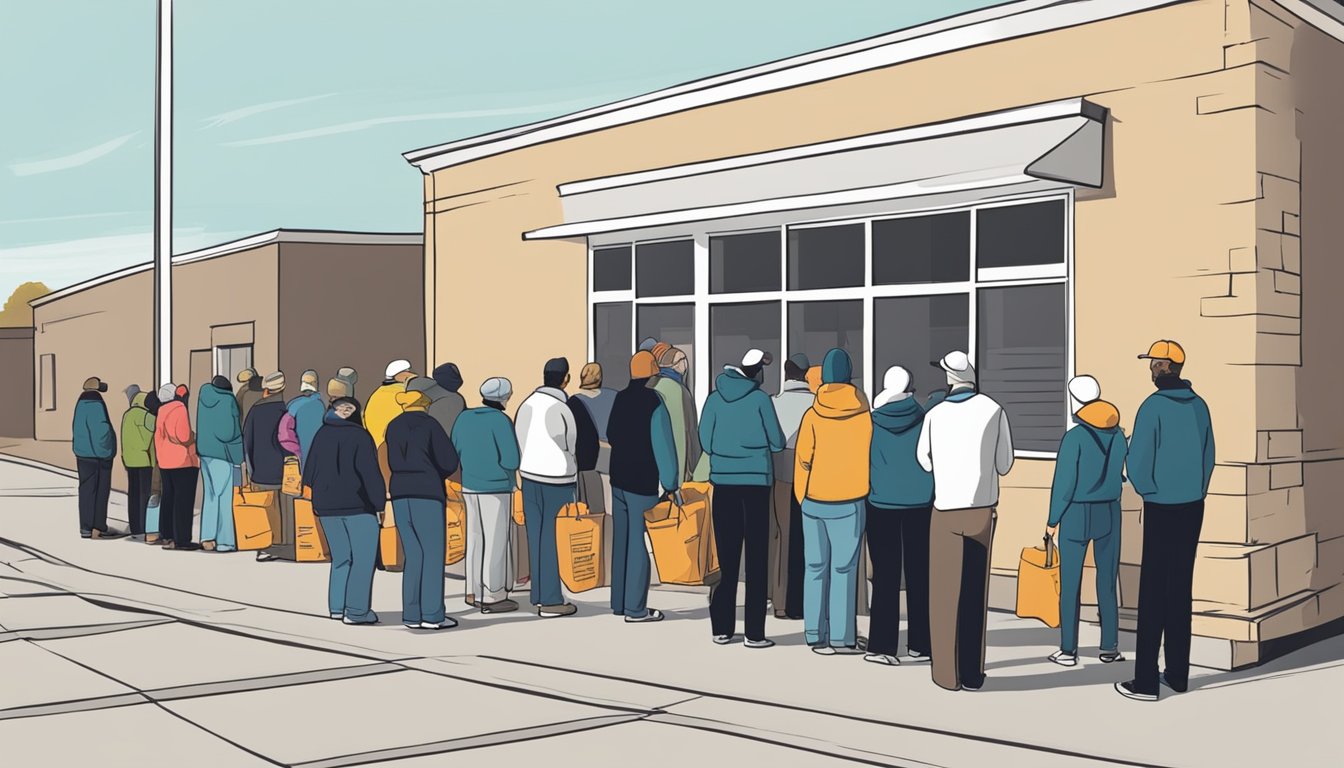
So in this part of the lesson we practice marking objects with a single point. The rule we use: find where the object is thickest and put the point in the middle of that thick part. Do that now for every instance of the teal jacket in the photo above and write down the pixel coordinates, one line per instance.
(487, 449)
(895, 478)
(739, 430)
(1171, 452)
(91, 432)
(1089, 470)
(219, 427)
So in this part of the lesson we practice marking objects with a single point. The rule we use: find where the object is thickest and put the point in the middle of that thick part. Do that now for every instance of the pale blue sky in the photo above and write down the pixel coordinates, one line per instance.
(295, 113)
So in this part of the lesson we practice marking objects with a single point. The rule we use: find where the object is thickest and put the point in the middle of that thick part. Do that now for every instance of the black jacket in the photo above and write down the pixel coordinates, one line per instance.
(342, 469)
(420, 456)
(261, 442)
(634, 467)
(586, 450)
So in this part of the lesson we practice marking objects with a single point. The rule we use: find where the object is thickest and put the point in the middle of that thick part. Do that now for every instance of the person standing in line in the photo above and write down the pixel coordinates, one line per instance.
(739, 431)
(249, 391)
(348, 494)
(95, 446)
(175, 446)
(586, 451)
(342, 384)
(900, 502)
(1171, 458)
(445, 402)
(967, 444)
(421, 459)
(598, 398)
(831, 483)
(382, 408)
(266, 461)
(786, 541)
(152, 405)
(548, 442)
(137, 438)
(647, 345)
(672, 386)
(303, 417)
(219, 444)
(488, 449)
(643, 457)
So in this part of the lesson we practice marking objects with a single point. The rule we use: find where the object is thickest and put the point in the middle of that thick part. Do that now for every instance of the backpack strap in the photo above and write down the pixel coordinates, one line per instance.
(1105, 451)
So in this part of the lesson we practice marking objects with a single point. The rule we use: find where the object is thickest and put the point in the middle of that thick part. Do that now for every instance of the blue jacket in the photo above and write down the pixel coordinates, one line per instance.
(487, 449)
(308, 412)
(219, 425)
(1089, 470)
(896, 479)
(343, 469)
(1171, 452)
(739, 430)
(91, 431)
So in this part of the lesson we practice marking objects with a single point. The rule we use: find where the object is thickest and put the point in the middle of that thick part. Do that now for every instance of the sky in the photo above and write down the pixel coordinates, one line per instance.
(294, 113)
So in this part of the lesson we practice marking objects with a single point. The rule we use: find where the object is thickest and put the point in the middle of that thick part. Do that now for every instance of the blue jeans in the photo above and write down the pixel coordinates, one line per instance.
(832, 533)
(1100, 524)
(422, 525)
(217, 504)
(629, 557)
(353, 540)
(541, 505)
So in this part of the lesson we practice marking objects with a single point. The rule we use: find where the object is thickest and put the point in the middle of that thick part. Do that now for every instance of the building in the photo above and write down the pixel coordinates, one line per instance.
(1051, 185)
(287, 300)
(16, 381)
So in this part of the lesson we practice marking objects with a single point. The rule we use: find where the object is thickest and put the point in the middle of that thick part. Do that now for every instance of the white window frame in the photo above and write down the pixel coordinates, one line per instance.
(701, 232)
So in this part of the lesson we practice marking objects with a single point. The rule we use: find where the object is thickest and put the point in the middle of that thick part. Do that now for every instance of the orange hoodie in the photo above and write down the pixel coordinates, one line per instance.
(831, 461)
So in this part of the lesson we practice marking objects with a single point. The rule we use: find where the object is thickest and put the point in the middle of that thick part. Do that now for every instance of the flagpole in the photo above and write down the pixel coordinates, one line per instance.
(163, 196)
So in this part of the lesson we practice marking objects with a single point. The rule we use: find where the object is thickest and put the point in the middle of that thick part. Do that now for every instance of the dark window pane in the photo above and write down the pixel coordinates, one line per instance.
(744, 263)
(612, 345)
(735, 328)
(923, 249)
(611, 269)
(1020, 235)
(672, 323)
(665, 269)
(1023, 360)
(815, 327)
(826, 257)
(911, 331)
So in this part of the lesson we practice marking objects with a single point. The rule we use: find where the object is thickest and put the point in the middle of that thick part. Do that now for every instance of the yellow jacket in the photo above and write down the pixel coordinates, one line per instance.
(831, 461)
(382, 409)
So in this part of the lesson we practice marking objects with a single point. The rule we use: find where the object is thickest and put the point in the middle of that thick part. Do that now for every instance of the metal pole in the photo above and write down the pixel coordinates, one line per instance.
(163, 197)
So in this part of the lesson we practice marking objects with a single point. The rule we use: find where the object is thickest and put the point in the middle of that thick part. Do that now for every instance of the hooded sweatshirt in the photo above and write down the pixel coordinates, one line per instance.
(586, 448)
(174, 444)
(548, 438)
(382, 409)
(261, 441)
(488, 450)
(739, 430)
(1089, 468)
(681, 410)
(91, 430)
(896, 480)
(791, 403)
(137, 434)
(219, 428)
(419, 452)
(643, 452)
(966, 443)
(303, 417)
(445, 404)
(342, 469)
(831, 461)
(1171, 453)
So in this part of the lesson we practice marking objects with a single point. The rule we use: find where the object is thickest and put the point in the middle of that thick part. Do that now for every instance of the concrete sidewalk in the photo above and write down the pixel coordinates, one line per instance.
(233, 662)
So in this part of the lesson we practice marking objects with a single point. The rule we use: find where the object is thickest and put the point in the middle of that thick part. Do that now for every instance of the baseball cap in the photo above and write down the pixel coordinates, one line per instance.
(1165, 350)
(1084, 389)
(95, 384)
(800, 361)
(397, 367)
(756, 357)
(958, 364)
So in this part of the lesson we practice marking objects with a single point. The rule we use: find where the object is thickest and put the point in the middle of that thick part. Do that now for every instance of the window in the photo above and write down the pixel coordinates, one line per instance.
(826, 257)
(612, 332)
(611, 269)
(230, 360)
(816, 327)
(47, 384)
(912, 331)
(744, 263)
(1024, 361)
(922, 249)
(672, 323)
(1020, 235)
(735, 328)
(665, 269)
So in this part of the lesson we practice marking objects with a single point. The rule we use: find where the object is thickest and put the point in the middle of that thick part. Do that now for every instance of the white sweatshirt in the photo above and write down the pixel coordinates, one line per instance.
(966, 445)
(547, 438)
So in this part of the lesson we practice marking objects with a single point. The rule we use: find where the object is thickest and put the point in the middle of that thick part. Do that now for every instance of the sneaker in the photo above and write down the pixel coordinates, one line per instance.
(823, 650)
(1064, 659)
(653, 615)
(916, 656)
(1128, 690)
(411, 624)
(265, 557)
(108, 534)
(764, 642)
(208, 546)
(973, 686)
(338, 616)
(554, 611)
(1110, 657)
(448, 623)
(861, 643)
(499, 606)
(352, 622)
(723, 639)
(883, 658)
(1164, 681)
(849, 650)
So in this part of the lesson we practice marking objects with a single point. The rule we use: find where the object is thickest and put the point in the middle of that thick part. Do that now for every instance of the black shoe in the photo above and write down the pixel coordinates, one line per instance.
(1128, 690)
(1181, 689)
(975, 686)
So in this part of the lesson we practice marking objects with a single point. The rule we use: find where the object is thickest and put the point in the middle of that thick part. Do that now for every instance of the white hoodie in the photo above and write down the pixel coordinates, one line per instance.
(547, 438)
(966, 444)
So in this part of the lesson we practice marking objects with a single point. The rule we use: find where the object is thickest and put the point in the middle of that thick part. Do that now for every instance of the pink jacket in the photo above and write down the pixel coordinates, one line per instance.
(174, 443)
(289, 435)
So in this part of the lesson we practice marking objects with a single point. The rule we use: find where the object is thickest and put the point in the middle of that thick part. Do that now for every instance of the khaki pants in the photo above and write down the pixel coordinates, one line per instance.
(959, 549)
(780, 560)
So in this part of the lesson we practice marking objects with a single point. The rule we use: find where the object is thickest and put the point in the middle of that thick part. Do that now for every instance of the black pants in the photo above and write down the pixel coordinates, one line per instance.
(793, 600)
(1170, 535)
(741, 516)
(896, 538)
(177, 507)
(138, 481)
(95, 487)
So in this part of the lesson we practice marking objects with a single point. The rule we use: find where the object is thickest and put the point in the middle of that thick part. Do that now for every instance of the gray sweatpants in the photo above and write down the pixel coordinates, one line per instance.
(489, 518)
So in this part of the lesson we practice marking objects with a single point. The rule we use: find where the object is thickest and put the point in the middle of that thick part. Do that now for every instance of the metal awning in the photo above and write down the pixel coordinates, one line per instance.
(1059, 142)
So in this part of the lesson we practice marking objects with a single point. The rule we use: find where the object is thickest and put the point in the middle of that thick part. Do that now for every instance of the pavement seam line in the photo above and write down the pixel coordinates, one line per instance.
(740, 732)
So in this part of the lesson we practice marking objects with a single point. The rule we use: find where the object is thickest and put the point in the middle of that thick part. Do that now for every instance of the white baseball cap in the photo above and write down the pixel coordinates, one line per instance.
(756, 357)
(397, 367)
(958, 365)
(1084, 389)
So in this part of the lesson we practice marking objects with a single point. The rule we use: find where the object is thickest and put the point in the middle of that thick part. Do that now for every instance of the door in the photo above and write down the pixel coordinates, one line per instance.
(202, 370)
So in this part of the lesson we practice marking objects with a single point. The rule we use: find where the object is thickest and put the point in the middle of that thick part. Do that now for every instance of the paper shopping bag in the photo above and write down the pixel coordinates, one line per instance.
(1038, 583)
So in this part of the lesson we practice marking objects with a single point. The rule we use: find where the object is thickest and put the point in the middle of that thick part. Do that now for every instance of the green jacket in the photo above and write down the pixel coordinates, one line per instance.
(681, 410)
(137, 435)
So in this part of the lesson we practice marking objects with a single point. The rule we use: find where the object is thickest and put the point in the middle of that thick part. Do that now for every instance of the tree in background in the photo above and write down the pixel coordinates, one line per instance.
(17, 313)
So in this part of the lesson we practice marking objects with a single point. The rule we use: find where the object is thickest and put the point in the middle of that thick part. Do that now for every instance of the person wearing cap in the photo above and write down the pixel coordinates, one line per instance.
(643, 459)
(95, 446)
(900, 501)
(967, 444)
(445, 402)
(597, 398)
(488, 450)
(265, 457)
(303, 417)
(175, 447)
(249, 391)
(1085, 507)
(548, 443)
(672, 386)
(382, 407)
(1171, 458)
(421, 458)
(137, 456)
(342, 384)
(786, 525)
(739, 431)
(348, 494)
(219, 444)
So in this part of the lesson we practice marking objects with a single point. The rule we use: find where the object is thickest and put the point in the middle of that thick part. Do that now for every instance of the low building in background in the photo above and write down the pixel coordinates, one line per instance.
(16, 382)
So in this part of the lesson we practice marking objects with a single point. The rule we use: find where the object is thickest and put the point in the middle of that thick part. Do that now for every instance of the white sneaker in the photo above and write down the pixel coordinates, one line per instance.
(762, 643)
(823, 650)
(338, 616)
(723, 639)
(447, 623)
(916, 656)
(883, 658)
(1064, 659)
(348, 620)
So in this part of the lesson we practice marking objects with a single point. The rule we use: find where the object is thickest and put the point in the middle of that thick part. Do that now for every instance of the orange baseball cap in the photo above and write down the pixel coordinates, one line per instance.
(1165, 350)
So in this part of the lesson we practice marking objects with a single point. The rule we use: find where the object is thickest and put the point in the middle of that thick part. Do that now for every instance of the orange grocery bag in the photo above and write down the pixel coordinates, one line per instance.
(310, 544)
(455, 524)
(1038, 583)
(292, 482)
(518, 507)
(389, 549)
(256, 516)
(682, 539)
(578, 542)
(693, 492)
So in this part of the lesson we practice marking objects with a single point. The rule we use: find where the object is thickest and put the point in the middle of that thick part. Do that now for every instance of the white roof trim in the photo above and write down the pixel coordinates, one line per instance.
(1324, 15)
(990, 25)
